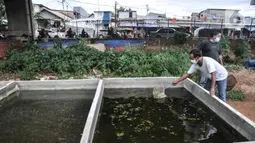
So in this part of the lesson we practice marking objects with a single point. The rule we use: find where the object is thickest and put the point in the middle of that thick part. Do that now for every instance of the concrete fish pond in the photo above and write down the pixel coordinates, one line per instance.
(145, 119)
(38, 117)
(116, 110)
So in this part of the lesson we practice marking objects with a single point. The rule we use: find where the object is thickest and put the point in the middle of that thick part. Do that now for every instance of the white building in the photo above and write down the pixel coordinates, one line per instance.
(127, 15)
(47, 18)
(222, 15)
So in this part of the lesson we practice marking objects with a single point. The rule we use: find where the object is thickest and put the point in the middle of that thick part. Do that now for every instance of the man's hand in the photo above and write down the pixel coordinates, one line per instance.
(212, 92)
(180, 79)
(175, 82)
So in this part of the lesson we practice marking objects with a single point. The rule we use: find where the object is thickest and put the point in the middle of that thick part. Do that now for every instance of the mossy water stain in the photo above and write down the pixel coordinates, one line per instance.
(41, 121)
(140, 120)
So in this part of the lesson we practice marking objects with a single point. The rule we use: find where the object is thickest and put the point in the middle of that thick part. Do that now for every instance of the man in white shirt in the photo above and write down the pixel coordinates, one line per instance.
(216, 73)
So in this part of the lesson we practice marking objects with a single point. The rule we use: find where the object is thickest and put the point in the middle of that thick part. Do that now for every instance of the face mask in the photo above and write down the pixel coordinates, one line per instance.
(217, 39)
(193, 61)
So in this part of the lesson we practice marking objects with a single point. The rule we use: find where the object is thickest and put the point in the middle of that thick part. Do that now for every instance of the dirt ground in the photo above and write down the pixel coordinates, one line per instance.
(7, 77)
(246, 83)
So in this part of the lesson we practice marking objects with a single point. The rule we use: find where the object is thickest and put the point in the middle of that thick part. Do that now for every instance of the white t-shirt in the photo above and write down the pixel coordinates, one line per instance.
(209, 66)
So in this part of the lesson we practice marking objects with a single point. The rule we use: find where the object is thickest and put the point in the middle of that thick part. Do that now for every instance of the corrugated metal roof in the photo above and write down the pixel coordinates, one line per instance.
(70, 14)
(58, 14)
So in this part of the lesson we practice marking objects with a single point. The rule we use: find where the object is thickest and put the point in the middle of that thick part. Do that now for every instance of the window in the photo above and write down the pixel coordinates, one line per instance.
(162, 31)
(171, 31)
(130, 14)
(214, 16)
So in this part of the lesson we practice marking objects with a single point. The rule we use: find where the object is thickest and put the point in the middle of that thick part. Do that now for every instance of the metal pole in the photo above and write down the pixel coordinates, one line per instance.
(63, 10)
(193, 29)
(251, 26)
(97, 28)
(147, 11)
(221, 25)
(76, 22)
(167, 28)
(115, 14)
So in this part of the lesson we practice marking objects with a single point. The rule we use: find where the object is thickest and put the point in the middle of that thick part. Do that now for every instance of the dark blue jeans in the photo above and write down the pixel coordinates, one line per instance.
(222, 87)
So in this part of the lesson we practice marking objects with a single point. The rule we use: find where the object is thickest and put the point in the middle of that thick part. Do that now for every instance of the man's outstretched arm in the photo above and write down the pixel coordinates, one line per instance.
(181, 79)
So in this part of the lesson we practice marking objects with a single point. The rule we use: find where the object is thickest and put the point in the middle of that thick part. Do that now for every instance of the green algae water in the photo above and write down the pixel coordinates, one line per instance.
(146, 120)
(38, 117)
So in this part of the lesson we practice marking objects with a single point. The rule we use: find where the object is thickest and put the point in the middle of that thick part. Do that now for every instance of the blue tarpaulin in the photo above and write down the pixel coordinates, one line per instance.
(65, 43)
(115, 43)
(249, 64)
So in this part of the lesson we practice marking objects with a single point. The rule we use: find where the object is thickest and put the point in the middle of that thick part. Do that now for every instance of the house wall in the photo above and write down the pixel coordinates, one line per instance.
(125, 15)
(105, 15)
(99, 14)
(227, 15)
(83, 13)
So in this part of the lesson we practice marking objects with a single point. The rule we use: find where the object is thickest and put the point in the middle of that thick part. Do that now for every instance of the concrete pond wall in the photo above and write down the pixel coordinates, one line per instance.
(232, 117)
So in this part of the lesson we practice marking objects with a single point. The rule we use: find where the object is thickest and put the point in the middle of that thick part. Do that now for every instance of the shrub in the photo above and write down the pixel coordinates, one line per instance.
(232, 67)
(180, 38)
(243, 51)
(78, 60)
(32, 60)
(225, 45)
(236, 95)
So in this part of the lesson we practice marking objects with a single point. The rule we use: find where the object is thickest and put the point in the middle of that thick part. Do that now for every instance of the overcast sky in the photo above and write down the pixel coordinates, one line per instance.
(170, 7)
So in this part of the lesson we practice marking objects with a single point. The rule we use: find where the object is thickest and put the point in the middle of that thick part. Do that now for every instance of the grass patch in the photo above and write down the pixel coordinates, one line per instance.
(233, 67)
(235, 95)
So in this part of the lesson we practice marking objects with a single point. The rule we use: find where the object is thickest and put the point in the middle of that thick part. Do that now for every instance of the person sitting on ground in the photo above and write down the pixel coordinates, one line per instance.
(216, 73)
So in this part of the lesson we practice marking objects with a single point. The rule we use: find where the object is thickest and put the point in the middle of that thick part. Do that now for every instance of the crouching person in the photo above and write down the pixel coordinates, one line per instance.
(216, 73)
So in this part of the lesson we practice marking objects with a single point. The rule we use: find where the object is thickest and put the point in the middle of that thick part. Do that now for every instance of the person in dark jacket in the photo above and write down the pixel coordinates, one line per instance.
(211, 48)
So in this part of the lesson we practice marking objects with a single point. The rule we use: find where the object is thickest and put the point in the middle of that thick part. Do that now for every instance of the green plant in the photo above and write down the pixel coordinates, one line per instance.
(57, 44)
(195, 77)
(225, 45)
(108, 63)
(180, 38)
(236, 95)
(32, 60)
(79, 60)
(243, 50)
(233, 67)
(130, 61)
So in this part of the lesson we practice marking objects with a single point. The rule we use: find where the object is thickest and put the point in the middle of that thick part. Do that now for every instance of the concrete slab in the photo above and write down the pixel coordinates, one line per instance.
(99, 47)
(146, 82)
(58, 84)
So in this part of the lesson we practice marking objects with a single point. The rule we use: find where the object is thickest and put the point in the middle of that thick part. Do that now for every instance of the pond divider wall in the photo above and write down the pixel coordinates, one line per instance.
(58, 84)
(7, 90)
(150, 82)
(234, 118)
(90, 126)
